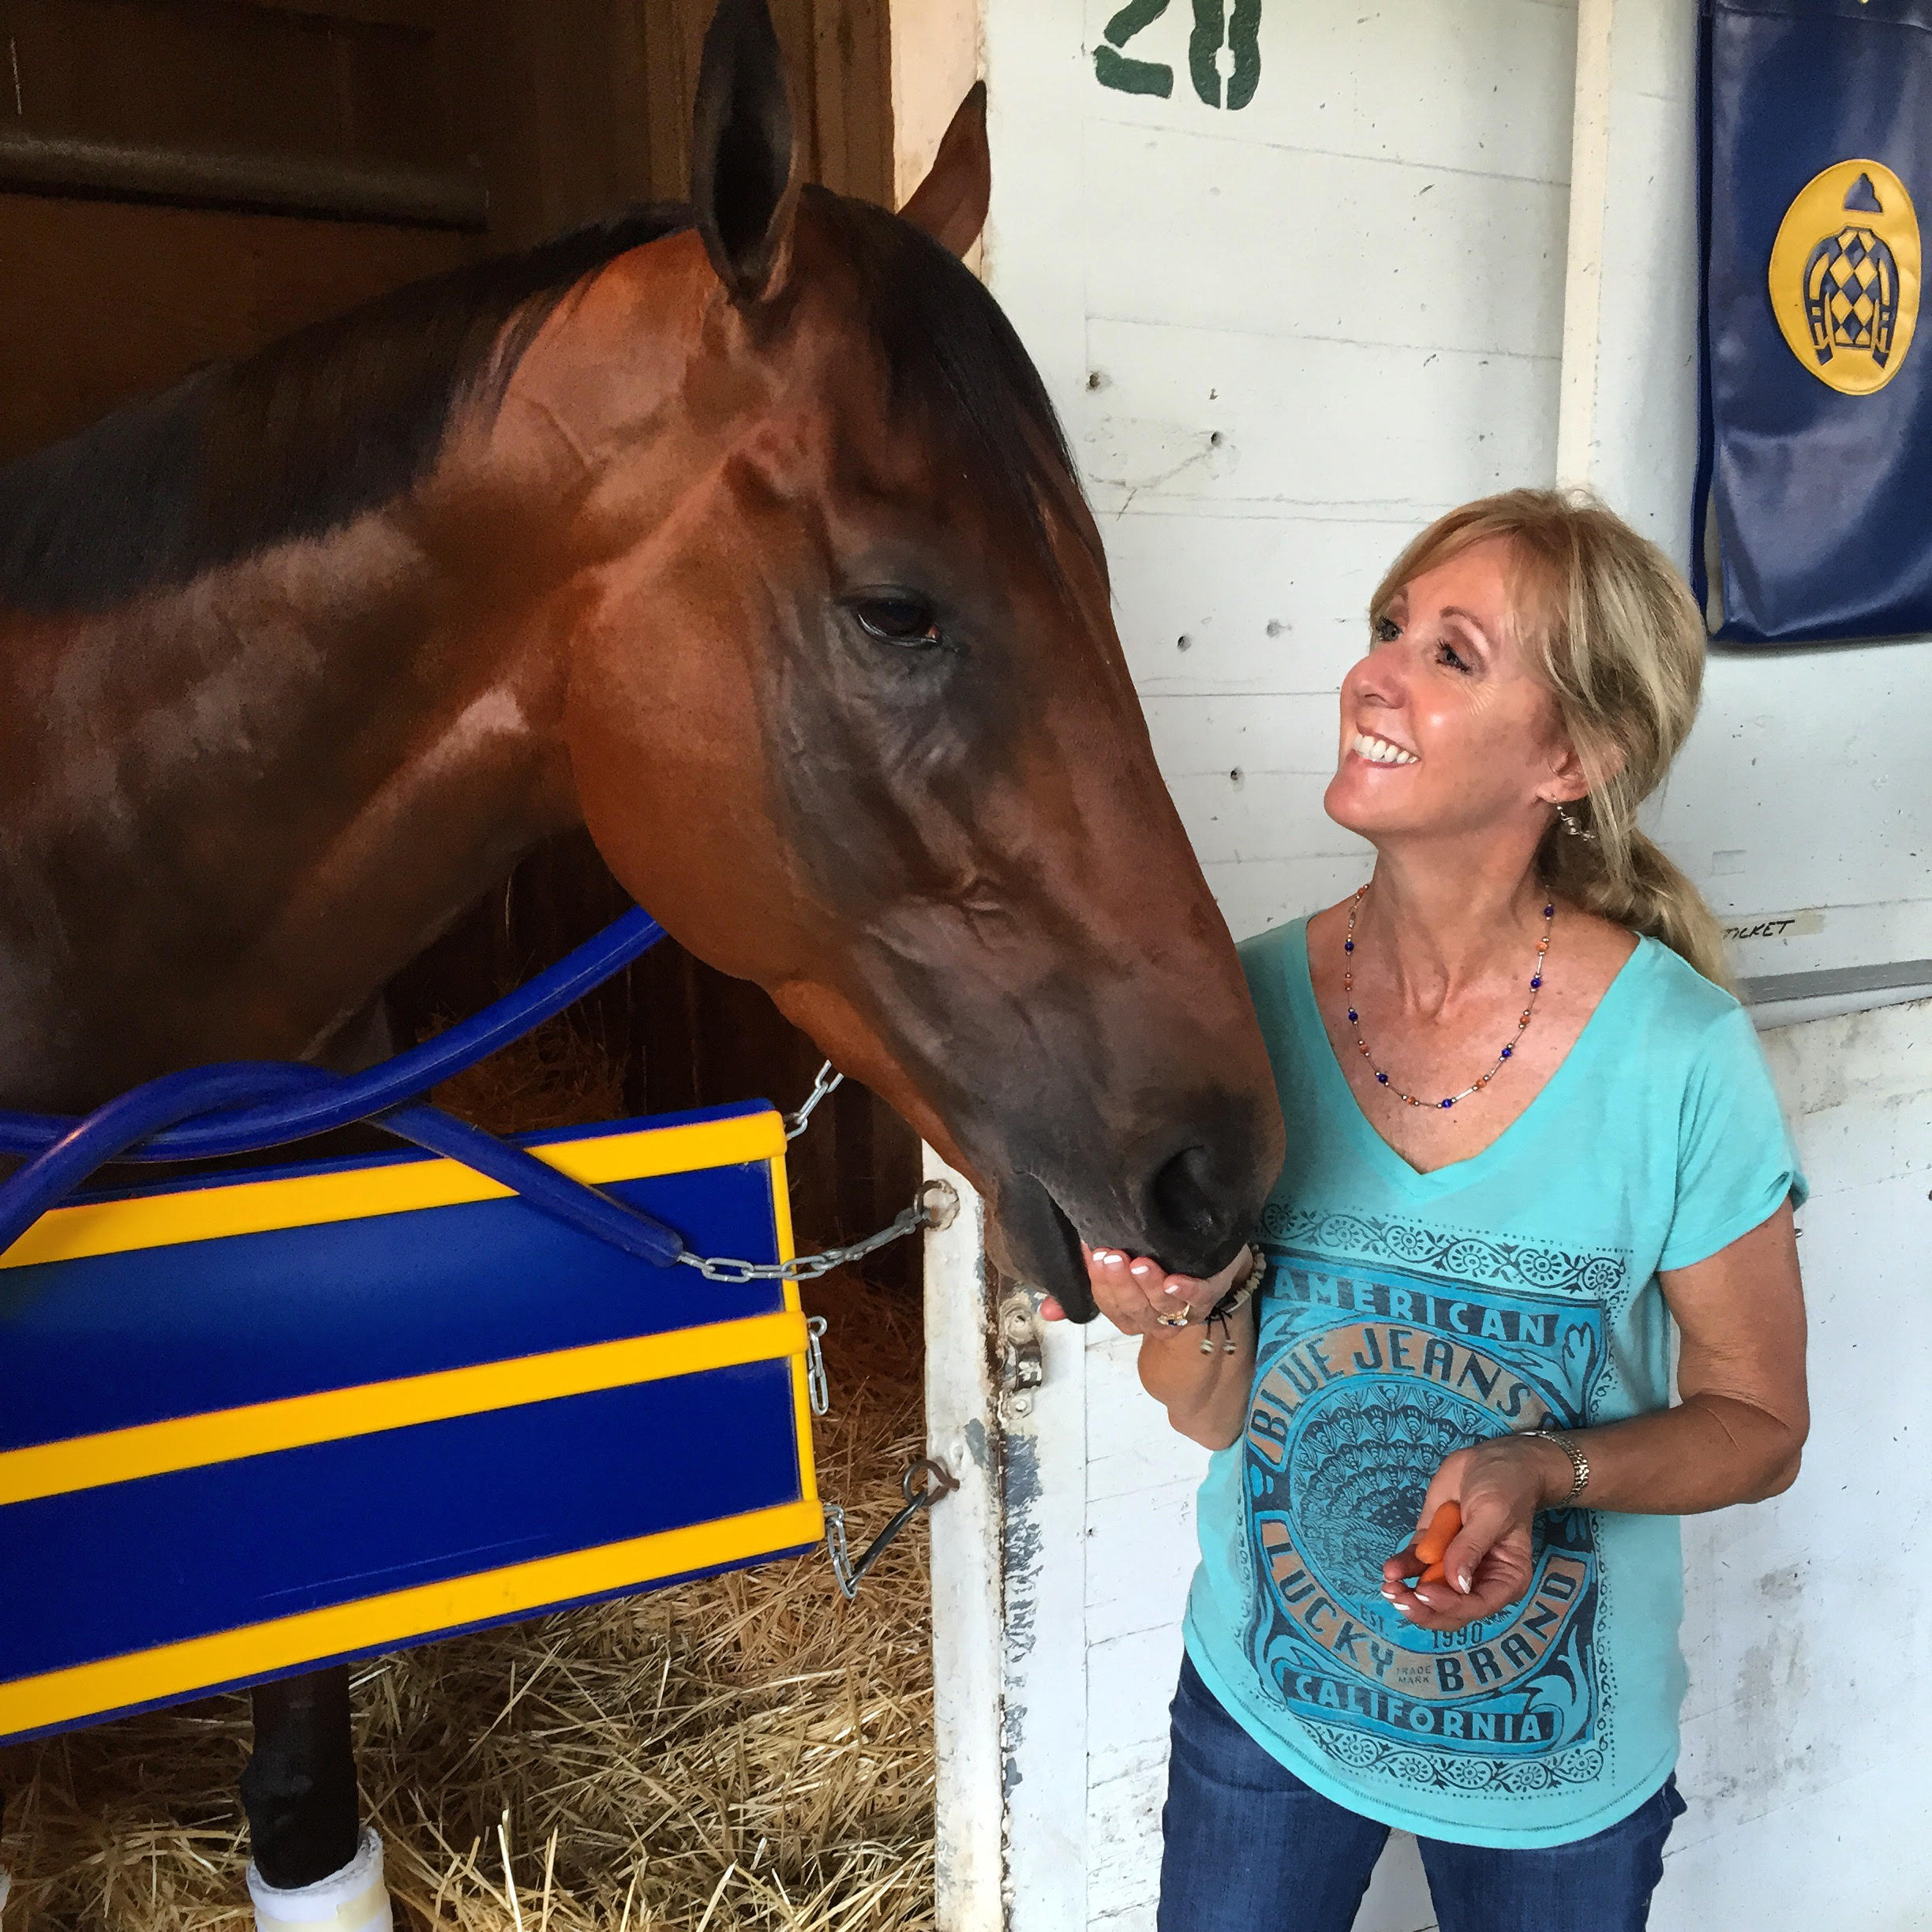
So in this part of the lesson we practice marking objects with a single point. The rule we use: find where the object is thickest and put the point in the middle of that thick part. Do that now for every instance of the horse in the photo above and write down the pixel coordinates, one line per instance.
(742, 534)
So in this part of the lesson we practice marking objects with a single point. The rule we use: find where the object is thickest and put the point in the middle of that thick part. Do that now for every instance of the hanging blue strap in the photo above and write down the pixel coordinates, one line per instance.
(573, 1202)
(246, 1126)
(109, 1132)
(240, 1106)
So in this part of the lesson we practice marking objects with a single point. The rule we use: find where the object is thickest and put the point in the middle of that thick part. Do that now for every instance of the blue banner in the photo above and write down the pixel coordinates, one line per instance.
(1813, 507)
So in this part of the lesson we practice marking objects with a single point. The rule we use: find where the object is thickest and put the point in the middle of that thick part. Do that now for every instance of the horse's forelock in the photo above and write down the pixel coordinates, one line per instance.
(955, 362)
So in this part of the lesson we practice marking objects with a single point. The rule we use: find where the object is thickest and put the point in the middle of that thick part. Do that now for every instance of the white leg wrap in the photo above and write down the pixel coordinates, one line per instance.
(353, 1900)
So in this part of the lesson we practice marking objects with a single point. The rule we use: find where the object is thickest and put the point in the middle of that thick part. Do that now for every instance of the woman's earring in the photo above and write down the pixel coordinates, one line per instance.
(1572, 827)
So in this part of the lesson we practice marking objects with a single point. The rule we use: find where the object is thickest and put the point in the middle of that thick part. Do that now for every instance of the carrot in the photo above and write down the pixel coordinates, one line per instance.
(1435, 1574)
(1444, 1527)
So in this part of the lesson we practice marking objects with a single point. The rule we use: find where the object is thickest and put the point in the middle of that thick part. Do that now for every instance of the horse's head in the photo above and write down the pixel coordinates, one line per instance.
(850, 715)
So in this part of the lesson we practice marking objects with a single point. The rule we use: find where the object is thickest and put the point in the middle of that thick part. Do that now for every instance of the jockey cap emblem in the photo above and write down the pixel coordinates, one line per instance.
(1845, 276)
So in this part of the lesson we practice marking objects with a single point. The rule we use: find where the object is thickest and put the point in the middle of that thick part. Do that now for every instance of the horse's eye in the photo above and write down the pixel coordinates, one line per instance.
(907, 621)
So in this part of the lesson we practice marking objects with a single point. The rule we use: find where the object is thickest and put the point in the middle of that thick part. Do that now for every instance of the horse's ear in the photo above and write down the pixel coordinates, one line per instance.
(744, 168)
(951, 203)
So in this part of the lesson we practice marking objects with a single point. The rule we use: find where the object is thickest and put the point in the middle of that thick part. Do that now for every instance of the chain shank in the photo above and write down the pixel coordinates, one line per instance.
(934, 1207)
(825, 1084)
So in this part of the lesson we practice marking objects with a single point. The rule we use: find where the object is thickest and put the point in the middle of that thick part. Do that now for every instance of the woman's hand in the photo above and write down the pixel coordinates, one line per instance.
(1134, 1293)
(1204, 1391)
(1499, 1485)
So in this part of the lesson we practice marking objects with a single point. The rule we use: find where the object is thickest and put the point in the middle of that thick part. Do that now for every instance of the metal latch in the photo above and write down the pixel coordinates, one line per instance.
(1023, 1368)
(817, 1387)
(920, 1496)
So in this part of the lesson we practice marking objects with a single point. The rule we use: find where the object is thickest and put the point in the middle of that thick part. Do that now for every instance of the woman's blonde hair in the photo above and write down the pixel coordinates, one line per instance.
(1621, 647)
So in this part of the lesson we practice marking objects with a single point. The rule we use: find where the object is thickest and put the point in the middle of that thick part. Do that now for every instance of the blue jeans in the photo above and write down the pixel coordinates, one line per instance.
(1250, 1848)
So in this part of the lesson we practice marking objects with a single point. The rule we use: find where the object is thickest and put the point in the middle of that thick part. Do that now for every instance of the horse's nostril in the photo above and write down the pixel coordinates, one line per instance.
(1183, 1196)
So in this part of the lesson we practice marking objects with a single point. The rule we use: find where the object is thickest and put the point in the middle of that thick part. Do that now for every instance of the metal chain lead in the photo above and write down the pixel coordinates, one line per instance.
(826, 1084)
(935, 1206)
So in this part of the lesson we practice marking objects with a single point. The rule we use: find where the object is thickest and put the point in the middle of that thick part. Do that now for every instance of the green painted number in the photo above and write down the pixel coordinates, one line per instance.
(1238, 29)
(1113, 69)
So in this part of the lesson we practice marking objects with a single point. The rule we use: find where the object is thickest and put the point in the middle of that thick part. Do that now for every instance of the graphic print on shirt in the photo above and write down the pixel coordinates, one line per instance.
(1370, 1371)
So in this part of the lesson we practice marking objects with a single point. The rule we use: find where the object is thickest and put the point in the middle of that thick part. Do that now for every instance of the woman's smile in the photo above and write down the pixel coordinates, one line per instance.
(1378, 750)
(1449, 683)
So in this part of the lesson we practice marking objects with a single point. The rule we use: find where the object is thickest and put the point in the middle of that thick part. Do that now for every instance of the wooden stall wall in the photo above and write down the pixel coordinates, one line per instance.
(604, 90)
(186, 180)
(183, 183)
(182, 180)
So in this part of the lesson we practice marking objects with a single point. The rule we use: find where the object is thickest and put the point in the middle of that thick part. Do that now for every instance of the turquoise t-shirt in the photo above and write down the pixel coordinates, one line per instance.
(1406, 1315)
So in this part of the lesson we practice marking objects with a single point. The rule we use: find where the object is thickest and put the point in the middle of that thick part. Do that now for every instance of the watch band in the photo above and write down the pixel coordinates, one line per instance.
(1579, 1465)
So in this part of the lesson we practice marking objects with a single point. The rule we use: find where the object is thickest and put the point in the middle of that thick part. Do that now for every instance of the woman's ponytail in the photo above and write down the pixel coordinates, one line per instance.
(1638, 887)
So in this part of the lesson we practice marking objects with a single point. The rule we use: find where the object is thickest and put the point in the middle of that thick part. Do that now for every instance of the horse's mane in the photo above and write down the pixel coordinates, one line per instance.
(346, 416)
(293, 441)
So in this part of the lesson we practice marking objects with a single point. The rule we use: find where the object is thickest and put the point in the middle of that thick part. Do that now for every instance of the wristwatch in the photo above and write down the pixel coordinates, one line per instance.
(1580, 1464)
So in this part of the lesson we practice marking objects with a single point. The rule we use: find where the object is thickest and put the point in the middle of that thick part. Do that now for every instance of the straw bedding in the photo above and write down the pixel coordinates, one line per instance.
(747, 1751)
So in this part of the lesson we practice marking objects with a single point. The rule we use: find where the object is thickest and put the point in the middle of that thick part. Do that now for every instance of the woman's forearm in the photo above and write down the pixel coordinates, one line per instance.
(1205, 1396)
(1707, 1453)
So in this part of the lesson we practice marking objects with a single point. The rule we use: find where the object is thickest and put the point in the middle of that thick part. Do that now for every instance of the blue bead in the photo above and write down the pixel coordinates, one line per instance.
(1352, 1015)
(1348, 945)
(1536, 982)
(1448, 1103)
(1383, 1078)
(1549, 911)
(1507, 1052)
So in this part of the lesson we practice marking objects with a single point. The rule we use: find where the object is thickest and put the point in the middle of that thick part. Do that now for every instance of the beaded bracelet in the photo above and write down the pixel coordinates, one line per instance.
(1231, 1304)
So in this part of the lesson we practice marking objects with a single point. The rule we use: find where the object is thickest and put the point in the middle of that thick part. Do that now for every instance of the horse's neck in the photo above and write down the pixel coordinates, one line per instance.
(230, 812)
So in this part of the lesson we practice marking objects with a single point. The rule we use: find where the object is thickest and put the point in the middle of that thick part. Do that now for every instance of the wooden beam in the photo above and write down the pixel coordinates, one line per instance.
(962, 1429)
(935, 58)
(424, 16)
(1590, 192)
(257, 183)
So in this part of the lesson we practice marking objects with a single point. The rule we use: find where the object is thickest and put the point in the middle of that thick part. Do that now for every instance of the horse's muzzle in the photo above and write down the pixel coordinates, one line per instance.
(1188, 1202)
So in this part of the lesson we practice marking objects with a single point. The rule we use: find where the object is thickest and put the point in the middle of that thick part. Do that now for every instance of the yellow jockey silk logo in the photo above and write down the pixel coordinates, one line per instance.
(1845, 276)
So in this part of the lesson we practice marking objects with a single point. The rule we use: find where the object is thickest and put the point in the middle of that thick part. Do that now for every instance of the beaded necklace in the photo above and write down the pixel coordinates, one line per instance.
(1348, 993)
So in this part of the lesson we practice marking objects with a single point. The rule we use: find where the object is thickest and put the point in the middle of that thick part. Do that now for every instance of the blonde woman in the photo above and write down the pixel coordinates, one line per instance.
(1532, 1141)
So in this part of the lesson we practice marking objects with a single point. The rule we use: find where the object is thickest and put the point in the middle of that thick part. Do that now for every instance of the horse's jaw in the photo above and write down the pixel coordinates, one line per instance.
(1031, 1240)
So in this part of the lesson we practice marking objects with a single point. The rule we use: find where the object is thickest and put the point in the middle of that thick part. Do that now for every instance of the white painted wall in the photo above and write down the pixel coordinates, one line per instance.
(1810, 1641)
(1283, 340)
(1305, 330)
(1803, 1809)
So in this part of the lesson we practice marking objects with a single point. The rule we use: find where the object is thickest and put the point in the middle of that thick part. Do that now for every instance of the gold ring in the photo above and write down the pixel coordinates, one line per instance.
(1176, 1321)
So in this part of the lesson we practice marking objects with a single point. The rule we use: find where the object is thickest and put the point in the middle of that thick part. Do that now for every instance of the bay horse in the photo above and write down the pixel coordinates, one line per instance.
(744, 534)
